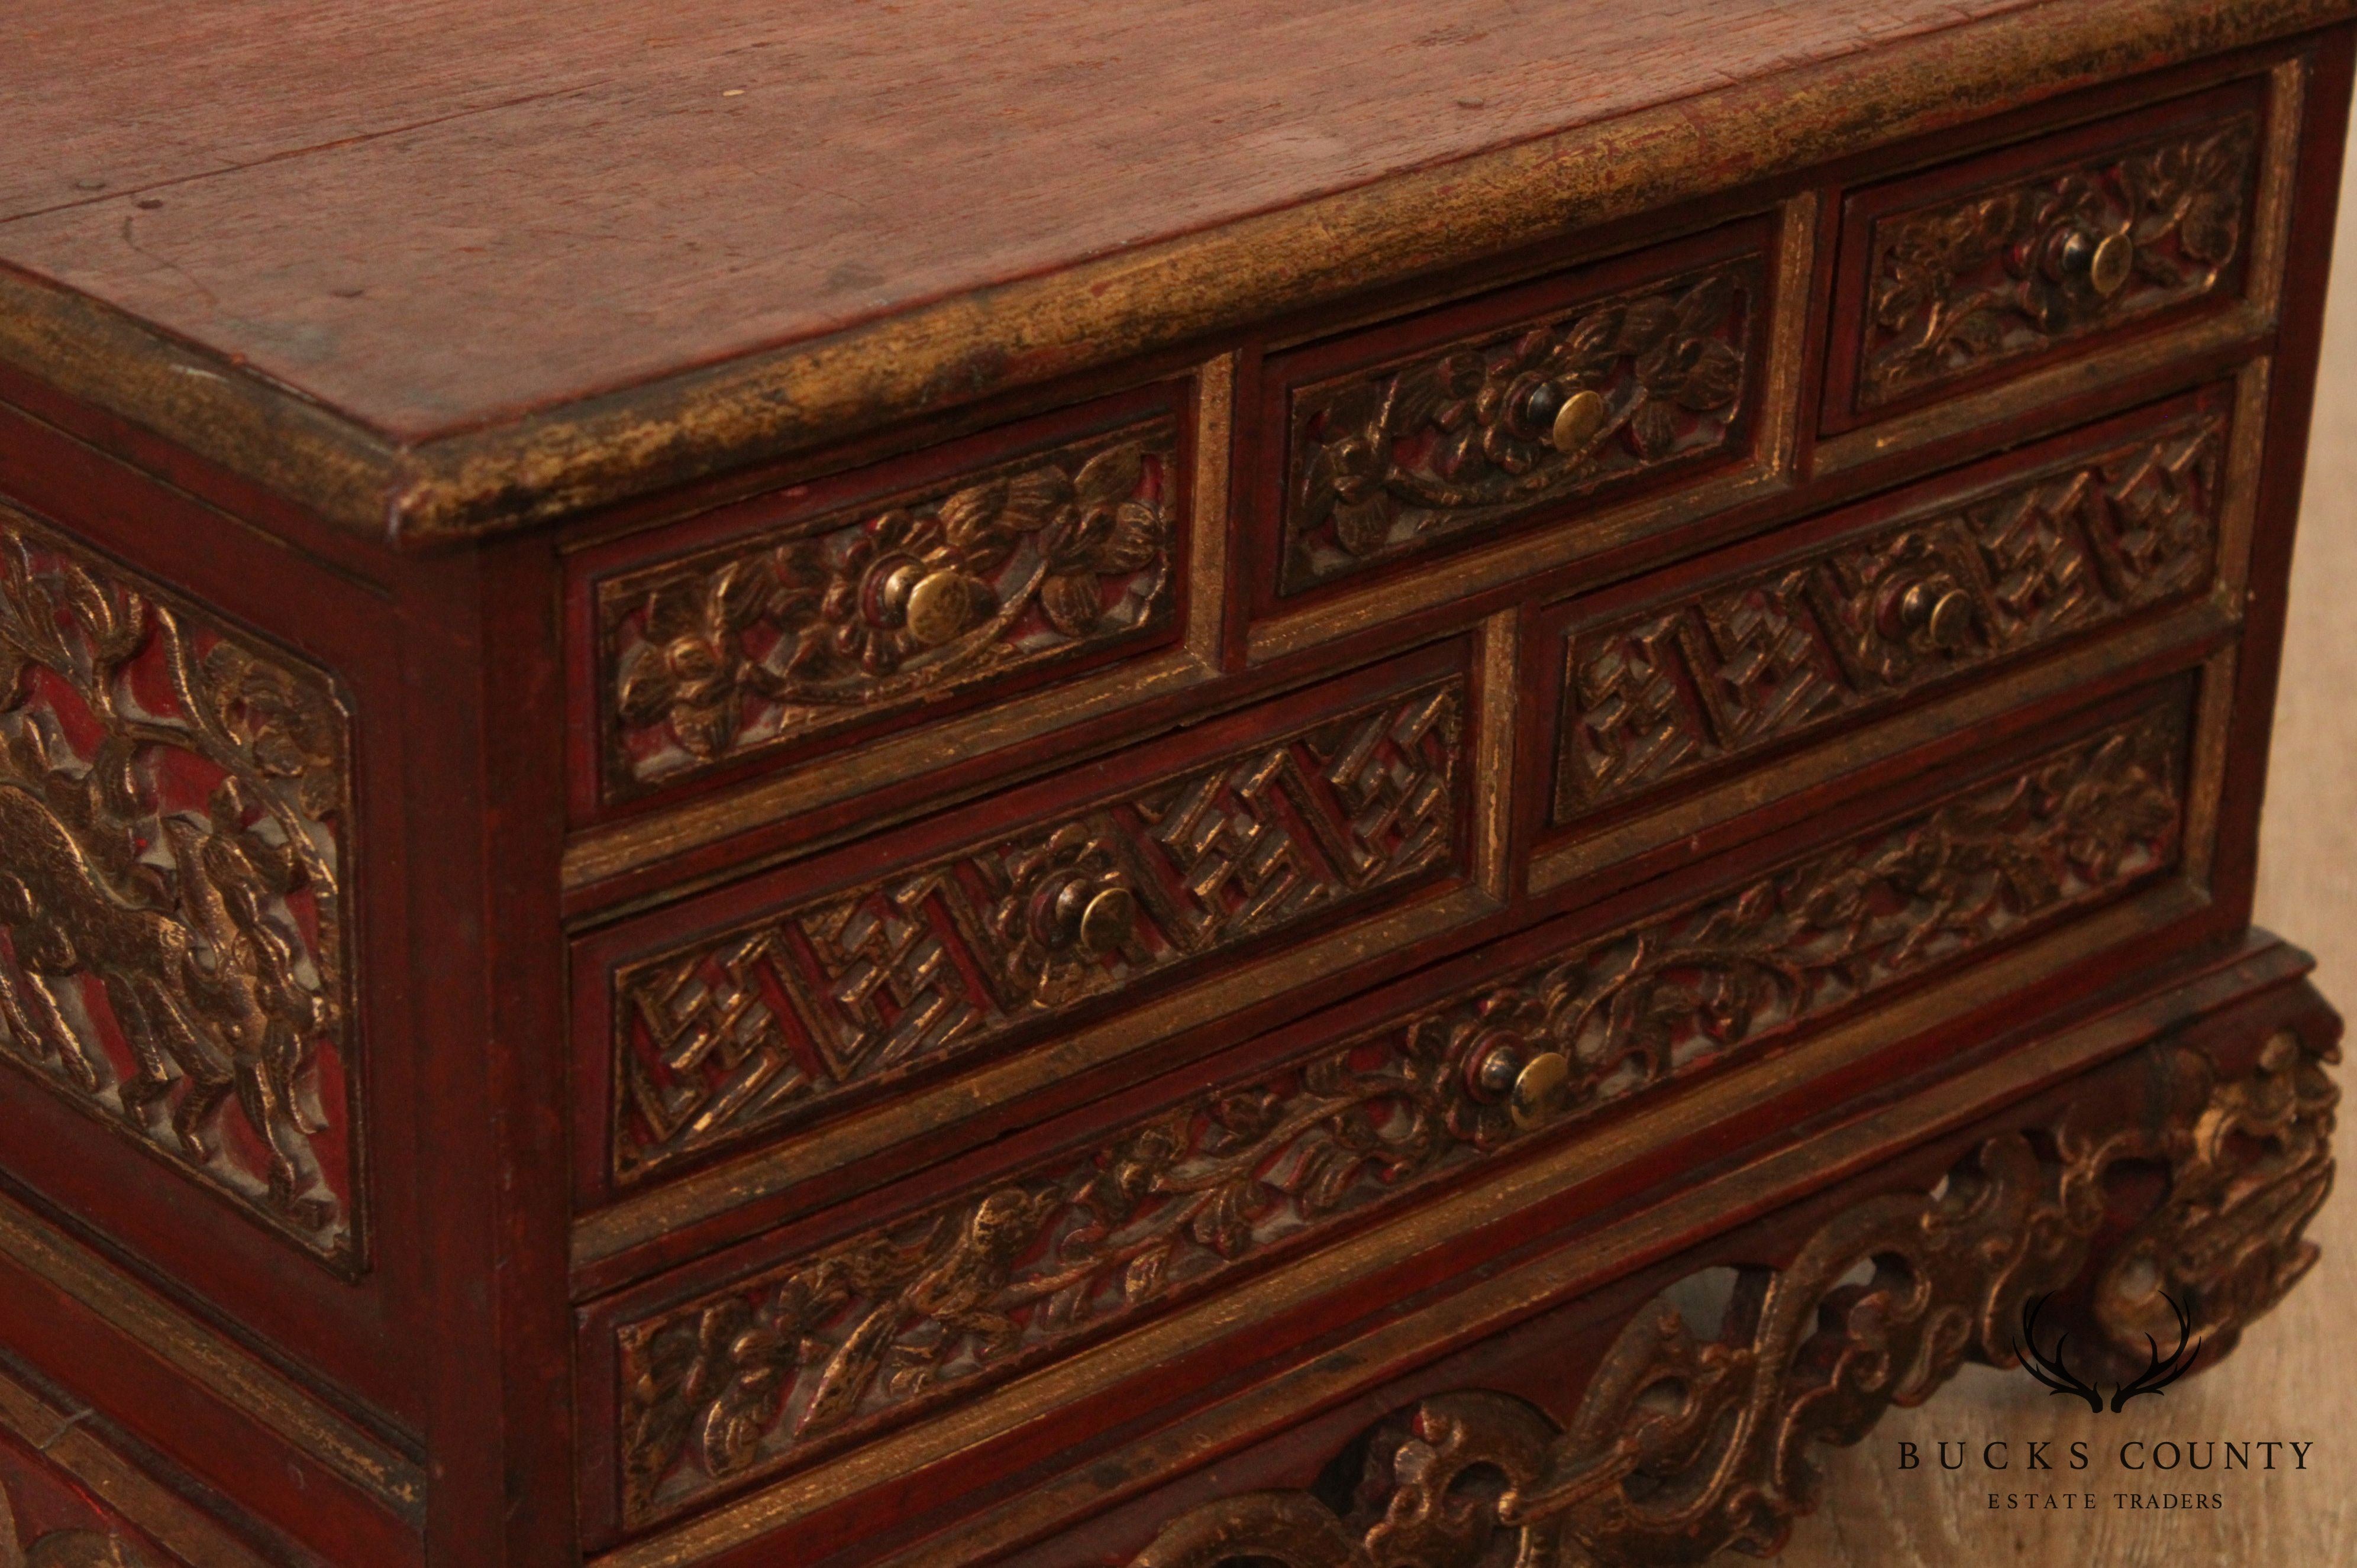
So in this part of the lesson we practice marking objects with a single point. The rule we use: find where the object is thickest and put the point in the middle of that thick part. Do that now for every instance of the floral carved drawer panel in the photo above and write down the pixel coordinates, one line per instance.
(1860, 622)
(803, 630)
(897, 1319)
(1480, 433)
(719, 1038)
(2025, 263)
(174, 945)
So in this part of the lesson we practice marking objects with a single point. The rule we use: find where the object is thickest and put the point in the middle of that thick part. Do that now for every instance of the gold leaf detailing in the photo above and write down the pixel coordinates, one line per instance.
(174, 953)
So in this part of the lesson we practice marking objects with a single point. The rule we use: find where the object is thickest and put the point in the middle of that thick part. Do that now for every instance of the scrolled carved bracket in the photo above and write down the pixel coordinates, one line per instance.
(1690, 1440)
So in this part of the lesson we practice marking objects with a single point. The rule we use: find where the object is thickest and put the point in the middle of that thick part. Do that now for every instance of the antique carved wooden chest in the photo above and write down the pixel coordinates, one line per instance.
(1158, 784)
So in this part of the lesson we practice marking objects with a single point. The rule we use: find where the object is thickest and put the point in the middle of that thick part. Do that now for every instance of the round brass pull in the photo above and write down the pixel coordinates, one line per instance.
(2108, 270)
(1079, 911)
(2107, 264)
(1943, 615)
(1538, 1087)
(1502, 1066)
(1583, 414)
(935, 604)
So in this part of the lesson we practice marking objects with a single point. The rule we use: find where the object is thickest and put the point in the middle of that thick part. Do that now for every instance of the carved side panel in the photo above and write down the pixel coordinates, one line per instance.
(727, 1036)
(902, 1317)
(2007, 273)
(1686, 1443)
(175, 943)
(1480, 432)
(798, 631)
(1861, 624)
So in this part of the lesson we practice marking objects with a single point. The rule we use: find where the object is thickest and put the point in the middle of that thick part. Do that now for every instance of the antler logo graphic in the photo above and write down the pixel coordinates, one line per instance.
(2056, 1373)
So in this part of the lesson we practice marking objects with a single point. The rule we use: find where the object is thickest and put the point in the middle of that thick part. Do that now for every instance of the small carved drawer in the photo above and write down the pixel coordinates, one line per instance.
(794, 996)
(765, 633)
(1512, 411)
(795, 1346)
(1976, 271)
(1660, 690)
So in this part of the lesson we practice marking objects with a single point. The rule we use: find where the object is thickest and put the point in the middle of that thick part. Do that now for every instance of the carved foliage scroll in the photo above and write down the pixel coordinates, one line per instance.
(799, 631)
(1667, 691)
(1484, 430)
(175, 811)
(1963, 286)
(901, 1316)
(731, 1034)
(1689, 1439)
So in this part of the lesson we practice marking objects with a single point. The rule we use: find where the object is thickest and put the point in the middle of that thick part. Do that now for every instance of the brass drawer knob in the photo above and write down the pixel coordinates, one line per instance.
(1567, 421)
(1583, 414)
(1504, 1067)
(936, 604)
(1080, 911)
(1944, 615)
(2105, 263)
(1538, 1087)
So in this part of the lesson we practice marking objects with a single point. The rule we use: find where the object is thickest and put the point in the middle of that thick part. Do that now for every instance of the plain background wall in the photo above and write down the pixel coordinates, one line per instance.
(2295, 1376)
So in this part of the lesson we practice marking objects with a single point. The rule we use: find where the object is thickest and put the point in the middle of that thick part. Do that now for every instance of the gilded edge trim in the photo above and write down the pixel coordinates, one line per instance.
(1768, 469)
(693, 1198)
(1493, 753)
(602, 449)
(1484, 1307)
(221, 1370)
(58, 1436)
(630, 845)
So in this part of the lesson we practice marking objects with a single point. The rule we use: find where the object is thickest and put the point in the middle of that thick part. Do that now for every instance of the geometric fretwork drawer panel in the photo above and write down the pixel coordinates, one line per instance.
(1866, 614)
(772, 1017)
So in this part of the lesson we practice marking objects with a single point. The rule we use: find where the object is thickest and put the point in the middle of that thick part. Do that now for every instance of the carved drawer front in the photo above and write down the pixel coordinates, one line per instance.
(792, 995)
(800, 620)
(718, 1379)
(1860, 612)
(2001, 264)
(1514, 410)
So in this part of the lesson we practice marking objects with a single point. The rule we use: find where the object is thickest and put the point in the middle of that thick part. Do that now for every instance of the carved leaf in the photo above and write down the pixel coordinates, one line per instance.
(1073, 602)
(1110, 477)
(851, 1368)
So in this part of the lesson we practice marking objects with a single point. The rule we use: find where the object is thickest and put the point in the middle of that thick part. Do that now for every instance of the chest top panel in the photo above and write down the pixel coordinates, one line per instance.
(429, 213)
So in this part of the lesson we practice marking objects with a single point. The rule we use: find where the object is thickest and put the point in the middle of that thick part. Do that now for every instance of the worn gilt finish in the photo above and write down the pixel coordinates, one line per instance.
(1963, 286)
(769, 641)
(1483, 432)
(962, 1295)
(736, 1032)
(174, 951)
(1689, 1439)
(1861, 623)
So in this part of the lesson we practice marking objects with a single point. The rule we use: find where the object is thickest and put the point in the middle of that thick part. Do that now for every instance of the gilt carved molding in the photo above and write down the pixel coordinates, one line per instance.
(937, 1306)
(1484, 430)
(796, 632)
(1964, 285)
(175, 943)
(1861, 623)
(731, 1034)
(1691, 1438)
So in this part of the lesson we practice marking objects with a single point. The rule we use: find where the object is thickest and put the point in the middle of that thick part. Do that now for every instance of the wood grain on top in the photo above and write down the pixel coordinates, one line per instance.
(762, 226)
(431, 213)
